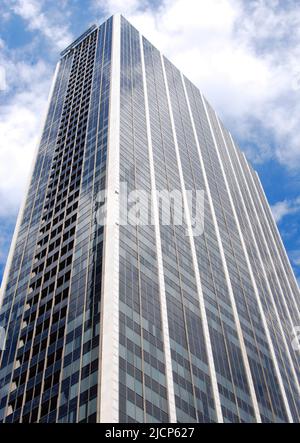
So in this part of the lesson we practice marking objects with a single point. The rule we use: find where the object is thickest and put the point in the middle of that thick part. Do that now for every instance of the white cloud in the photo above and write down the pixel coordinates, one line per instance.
(51, 24)
(2, 78)
(3, 250)
(246, 63)
(20, 123)
(295, 256)
(286, 207)
(5, 237)
(297, 259)
(23, 102)
(114, 6)
(243, 55)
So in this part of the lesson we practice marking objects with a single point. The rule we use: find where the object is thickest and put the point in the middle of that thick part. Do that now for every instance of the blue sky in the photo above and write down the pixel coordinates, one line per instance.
(244, 56)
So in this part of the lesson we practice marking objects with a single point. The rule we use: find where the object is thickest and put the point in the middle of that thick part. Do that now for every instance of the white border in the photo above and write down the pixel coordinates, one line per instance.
(109, 359)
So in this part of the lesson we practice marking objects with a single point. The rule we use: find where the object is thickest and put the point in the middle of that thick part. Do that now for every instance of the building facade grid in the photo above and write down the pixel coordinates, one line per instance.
(146, 322)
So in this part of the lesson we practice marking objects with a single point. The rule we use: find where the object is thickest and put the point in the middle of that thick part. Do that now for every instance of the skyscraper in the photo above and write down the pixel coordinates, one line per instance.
(143, 322)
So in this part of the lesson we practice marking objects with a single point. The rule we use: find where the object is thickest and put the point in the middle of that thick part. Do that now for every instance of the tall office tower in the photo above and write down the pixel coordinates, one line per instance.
(144, 322)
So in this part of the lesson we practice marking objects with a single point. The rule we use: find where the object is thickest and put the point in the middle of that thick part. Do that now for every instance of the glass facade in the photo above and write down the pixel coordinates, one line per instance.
(51, 304)
(170, 326)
